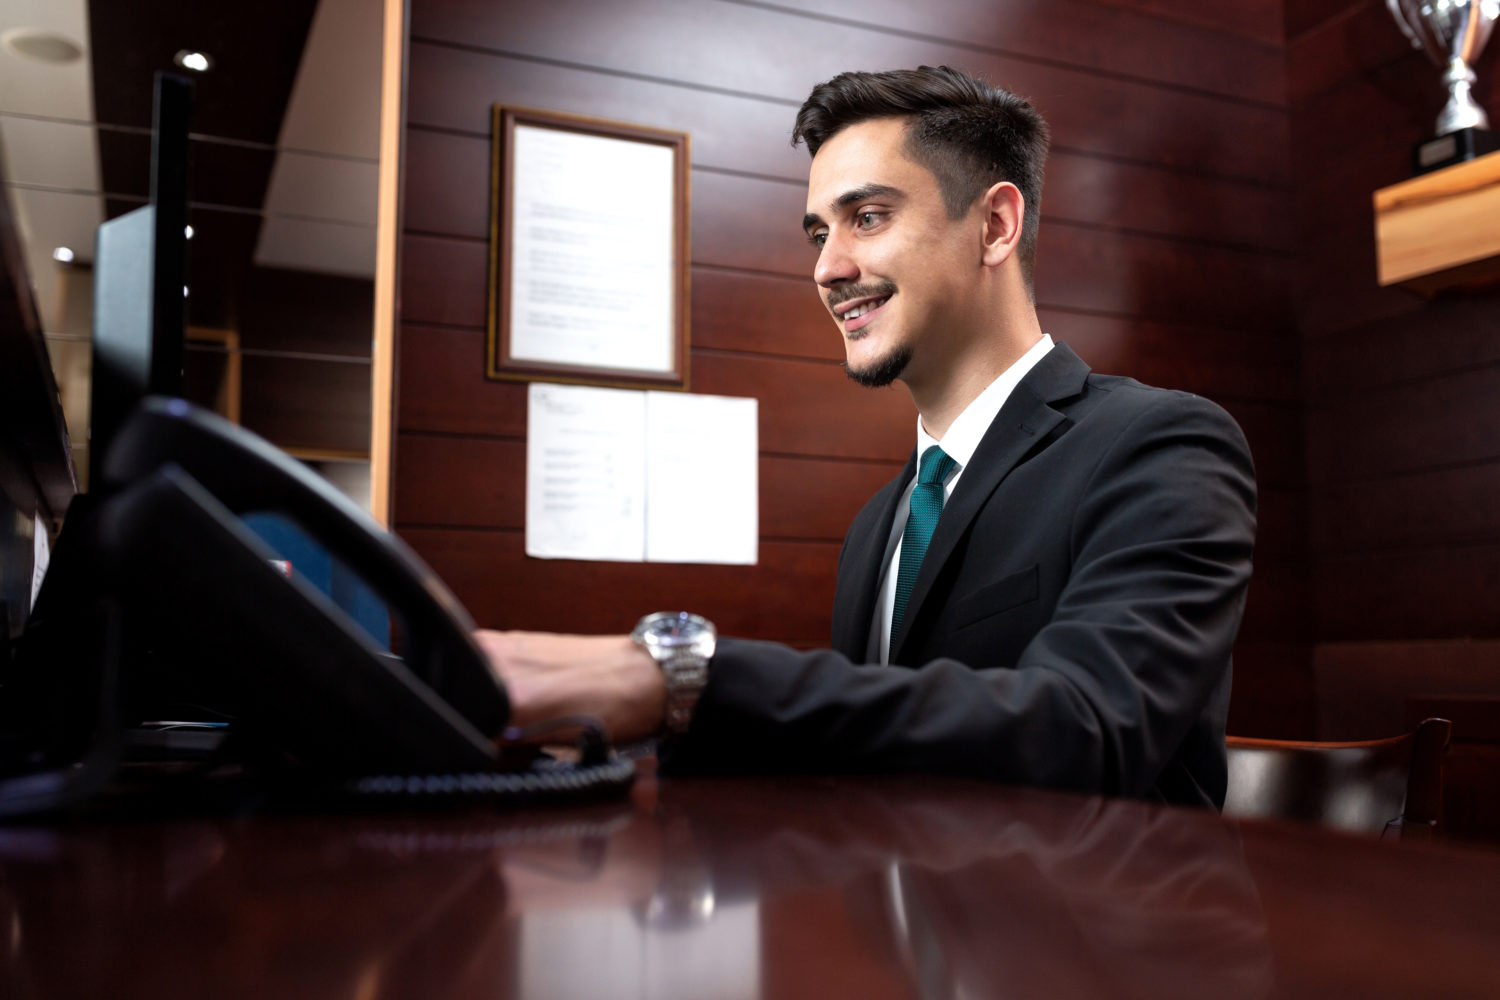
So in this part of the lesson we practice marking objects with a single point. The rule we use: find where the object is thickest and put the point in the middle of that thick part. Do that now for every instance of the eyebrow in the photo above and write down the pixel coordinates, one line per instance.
(848, 198)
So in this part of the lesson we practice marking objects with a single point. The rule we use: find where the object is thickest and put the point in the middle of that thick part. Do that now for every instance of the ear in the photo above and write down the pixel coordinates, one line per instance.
(1004, 210)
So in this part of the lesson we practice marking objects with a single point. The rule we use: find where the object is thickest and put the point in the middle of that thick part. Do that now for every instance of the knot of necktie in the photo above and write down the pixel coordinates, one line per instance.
(935, 466)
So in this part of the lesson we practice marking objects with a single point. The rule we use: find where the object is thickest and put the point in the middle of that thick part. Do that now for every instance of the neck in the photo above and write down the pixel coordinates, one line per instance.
(942, 398)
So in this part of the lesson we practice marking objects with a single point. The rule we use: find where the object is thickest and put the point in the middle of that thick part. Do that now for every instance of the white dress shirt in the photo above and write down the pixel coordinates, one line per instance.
(959, 444)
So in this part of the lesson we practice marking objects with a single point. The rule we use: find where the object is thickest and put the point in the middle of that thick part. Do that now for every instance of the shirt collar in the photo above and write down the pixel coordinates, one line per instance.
(969, 427)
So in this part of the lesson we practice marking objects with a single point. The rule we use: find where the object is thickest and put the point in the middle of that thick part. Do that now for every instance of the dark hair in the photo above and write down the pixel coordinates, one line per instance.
(969, 134)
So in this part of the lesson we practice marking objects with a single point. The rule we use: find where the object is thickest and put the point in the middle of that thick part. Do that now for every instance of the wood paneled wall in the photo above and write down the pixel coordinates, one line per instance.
(1165, 254)
(1403, 394)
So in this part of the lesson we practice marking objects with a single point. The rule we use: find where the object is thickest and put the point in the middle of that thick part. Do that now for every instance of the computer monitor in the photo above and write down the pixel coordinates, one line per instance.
(140, 282)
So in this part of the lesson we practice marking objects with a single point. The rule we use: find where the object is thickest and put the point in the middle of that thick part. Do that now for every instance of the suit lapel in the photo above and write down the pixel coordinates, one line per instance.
(1025, 419)
(854, 604)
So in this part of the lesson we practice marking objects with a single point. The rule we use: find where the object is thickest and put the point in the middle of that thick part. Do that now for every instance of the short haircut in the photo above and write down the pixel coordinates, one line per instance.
(968, 134)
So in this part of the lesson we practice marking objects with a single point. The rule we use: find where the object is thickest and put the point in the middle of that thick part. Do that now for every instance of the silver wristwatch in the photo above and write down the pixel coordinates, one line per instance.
(682, 644)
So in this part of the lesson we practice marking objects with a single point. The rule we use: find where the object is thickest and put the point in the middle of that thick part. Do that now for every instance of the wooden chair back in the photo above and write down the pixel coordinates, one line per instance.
(1385, 787)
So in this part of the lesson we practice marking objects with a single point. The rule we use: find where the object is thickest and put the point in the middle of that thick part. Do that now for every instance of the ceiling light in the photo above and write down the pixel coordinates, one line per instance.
(187, 231)
(198, 62)
(41, 45)
(63, 255)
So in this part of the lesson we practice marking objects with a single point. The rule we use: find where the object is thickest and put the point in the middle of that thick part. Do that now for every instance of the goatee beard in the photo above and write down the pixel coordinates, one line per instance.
(883, 371)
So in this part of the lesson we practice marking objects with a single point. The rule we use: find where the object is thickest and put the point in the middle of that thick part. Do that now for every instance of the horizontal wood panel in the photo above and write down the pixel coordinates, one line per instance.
(1406, 428)
(789, 594)
(1249, 18)
(460, 482)
(1281, 524)
(1145, 199)
(1362, 687)
(1445, 508)
(1273, 691)
(763, 314)
(476, 482)
(1161, 280)
(1410, 594)
(1394, 106)
(1340, 50)
(1334, 201)
(448, 177)
(1303, 16)
(444, 281)
(1345, 295)
(746, 223)
(1212, 363)
(454, 88)
(1084, 34)
(1430, 339)
(1278, 606)
(1087, 112)
(1274, 432)
(443, 388)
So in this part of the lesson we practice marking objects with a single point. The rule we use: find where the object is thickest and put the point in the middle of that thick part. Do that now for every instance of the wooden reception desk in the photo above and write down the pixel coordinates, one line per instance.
(789, 887)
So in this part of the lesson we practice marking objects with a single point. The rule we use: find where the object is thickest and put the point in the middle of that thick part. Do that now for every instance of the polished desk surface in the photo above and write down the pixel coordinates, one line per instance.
(745, 887)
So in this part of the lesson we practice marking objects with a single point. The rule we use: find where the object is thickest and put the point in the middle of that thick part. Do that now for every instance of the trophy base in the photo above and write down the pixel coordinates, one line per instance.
(1455, 147)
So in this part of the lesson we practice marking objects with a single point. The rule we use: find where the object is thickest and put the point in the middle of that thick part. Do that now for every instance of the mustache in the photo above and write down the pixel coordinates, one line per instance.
(847, 293)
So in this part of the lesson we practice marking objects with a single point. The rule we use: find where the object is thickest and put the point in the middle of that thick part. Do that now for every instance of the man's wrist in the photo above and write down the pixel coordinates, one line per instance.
(682, 646)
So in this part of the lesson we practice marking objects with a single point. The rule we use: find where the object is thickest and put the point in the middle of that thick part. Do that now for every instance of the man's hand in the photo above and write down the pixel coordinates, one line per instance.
(606, 676)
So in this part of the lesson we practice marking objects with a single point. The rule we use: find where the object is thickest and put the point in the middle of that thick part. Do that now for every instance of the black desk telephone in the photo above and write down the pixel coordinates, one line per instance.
(161, 604)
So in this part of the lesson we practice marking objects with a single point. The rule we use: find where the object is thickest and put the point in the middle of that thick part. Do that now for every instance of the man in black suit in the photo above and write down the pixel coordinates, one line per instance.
(1087, 539)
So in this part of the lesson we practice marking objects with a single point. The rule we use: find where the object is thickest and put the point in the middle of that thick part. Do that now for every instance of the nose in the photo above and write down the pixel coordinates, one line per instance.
(835, 263)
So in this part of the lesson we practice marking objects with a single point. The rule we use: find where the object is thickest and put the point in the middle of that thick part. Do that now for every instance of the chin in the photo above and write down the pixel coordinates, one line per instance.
(882, 371)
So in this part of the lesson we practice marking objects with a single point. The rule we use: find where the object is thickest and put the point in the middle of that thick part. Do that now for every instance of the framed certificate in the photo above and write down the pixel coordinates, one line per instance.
(588, 251)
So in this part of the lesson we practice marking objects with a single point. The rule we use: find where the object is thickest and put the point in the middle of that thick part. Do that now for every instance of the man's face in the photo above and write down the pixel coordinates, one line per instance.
(894, 271)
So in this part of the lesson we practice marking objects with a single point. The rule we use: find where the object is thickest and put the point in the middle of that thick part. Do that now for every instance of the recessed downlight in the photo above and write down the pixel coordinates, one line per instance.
(198, 62)
(187, 231)
(63, 255)
(41, 45)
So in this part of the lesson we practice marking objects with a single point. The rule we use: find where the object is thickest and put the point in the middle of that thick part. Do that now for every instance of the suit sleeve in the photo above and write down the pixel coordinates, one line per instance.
(1102, 696)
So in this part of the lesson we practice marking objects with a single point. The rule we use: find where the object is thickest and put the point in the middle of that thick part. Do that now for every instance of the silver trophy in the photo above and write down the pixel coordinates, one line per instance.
(1452, 33)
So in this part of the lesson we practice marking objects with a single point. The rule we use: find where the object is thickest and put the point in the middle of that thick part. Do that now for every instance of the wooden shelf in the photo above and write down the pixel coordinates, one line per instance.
(1441, 230)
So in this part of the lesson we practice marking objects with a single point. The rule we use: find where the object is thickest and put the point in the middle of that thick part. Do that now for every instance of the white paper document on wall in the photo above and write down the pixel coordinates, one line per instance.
(702, 496)
(620, 475)
(592, 281)
(585, 473)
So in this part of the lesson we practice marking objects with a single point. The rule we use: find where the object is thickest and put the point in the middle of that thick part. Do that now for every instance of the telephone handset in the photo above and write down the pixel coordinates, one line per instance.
(247, 474)
(198, 614)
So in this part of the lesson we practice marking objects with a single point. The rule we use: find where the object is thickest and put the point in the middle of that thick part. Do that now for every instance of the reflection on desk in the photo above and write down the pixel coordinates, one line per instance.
(826, 887)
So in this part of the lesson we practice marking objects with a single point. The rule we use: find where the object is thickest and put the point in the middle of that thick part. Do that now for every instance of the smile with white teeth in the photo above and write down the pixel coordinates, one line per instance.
(865, 307)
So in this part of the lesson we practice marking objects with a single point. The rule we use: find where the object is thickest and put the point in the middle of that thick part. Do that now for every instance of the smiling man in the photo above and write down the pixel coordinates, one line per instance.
(1048, 593)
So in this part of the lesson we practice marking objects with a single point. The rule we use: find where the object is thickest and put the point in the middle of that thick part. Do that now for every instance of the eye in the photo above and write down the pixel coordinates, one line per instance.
(817, 239)
(867, 220)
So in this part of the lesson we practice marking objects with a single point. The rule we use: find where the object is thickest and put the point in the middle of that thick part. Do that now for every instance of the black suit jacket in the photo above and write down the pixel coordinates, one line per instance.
(1071, 624)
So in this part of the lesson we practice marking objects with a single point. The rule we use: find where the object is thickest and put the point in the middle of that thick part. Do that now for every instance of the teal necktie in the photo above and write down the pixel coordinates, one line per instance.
(926, 507)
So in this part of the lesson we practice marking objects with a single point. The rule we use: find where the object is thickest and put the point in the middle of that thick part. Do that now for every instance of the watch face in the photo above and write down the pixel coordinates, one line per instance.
(677, 630)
